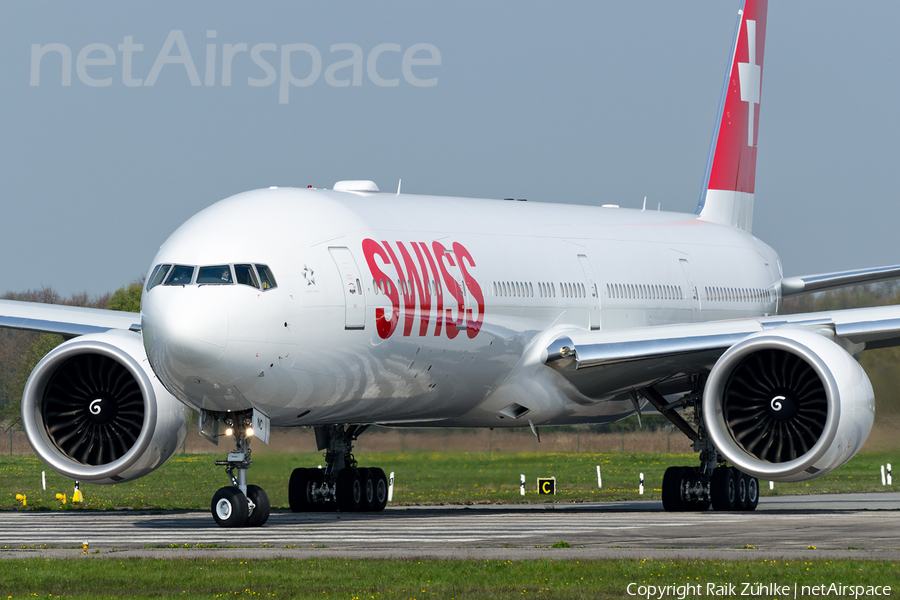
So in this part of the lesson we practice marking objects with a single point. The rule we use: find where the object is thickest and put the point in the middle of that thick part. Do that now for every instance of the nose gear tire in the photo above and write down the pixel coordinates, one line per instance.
(260, 513)
(229, 507)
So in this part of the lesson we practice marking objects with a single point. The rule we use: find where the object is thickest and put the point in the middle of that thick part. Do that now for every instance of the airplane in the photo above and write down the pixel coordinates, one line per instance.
(341, 308)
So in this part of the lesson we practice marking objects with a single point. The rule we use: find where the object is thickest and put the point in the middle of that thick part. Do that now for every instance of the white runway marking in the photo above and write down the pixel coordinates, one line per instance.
(788, 524)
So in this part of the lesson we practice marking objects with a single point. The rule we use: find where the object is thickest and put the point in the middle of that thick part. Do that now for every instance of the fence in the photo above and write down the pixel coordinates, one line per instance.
(668, 439)
(14, 442)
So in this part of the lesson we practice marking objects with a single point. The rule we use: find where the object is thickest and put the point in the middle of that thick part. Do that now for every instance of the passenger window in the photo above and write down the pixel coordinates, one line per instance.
(180, 275)
(266, 277)
(219, 274)
(245, 275)
(156, 278)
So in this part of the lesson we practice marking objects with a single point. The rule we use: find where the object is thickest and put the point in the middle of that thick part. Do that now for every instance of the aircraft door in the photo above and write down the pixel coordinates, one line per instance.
(354, 302)
(692, 292)
(452, 264)
(774, 282)
(593, 290)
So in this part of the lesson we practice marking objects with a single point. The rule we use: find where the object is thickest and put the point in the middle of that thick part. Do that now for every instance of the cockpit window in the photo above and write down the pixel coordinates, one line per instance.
(156, 278)
(180, 275)
(257, 276)
(220, 274)
(265, 275)
(245, 275)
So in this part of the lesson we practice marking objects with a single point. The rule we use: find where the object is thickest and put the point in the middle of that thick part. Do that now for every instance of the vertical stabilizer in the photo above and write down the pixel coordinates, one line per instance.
(727, 196)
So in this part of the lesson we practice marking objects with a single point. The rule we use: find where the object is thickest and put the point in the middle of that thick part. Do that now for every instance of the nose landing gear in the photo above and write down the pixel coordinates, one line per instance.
(239, 505)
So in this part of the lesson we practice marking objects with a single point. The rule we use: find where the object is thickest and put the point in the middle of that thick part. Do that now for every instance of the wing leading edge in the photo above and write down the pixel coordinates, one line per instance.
(68, 321)
(605, 363)
(791, 286)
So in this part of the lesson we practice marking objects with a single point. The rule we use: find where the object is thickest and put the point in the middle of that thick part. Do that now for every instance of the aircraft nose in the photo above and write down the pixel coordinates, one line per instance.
(183, 328)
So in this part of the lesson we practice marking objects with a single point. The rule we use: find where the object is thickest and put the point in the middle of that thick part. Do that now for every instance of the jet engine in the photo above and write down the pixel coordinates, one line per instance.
(94, 411)
(788, 405)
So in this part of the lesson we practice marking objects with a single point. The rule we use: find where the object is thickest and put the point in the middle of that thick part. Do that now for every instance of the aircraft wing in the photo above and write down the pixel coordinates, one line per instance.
(68, 321)
(791, 286)
(603, 363)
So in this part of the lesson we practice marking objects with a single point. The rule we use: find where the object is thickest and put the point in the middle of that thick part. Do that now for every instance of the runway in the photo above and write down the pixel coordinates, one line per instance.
(837, 526)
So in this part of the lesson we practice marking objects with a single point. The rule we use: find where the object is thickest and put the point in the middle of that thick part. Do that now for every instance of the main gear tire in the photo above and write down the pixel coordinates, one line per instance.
(723, 489)
(673, 482)
(349, 490)
(300, 490)
(380, 488)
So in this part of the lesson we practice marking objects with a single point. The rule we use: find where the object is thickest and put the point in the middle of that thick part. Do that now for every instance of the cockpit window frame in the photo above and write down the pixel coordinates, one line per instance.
(266, 277)
(159, 274)
(213, 280)
(261, 276)
(254, 279)
(175, 268)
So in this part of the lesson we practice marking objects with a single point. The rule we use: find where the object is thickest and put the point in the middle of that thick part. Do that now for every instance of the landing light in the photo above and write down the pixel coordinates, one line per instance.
(249, 432)
(229, 431)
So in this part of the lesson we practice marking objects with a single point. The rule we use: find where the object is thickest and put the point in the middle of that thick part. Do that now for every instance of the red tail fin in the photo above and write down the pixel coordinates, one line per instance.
(727, 196)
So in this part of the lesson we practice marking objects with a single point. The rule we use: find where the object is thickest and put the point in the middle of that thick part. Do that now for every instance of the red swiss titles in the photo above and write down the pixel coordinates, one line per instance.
(435, 280)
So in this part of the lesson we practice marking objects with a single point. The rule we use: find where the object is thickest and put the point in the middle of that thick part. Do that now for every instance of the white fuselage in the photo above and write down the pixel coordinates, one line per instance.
(455, 337)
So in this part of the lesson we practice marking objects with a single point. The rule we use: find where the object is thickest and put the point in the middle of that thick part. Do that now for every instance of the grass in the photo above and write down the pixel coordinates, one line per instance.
(189, 481)
(328, 578)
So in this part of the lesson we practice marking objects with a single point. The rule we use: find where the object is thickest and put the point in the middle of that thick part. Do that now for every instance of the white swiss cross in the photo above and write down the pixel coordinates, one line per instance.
(749, 75)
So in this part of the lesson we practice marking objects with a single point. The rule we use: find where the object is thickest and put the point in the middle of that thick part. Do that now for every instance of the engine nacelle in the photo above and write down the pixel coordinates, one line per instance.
(788, 405)
(94, 411)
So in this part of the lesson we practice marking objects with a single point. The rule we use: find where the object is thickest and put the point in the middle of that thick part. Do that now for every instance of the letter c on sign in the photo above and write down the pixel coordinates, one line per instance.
(545, 487)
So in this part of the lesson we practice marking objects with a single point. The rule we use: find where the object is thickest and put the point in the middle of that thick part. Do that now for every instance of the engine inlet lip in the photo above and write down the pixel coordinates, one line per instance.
(40, 438)
(713, 411)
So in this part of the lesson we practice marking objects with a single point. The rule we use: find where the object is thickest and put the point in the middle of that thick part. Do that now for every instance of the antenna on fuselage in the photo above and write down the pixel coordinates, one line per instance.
(645, 204)
(399, 181)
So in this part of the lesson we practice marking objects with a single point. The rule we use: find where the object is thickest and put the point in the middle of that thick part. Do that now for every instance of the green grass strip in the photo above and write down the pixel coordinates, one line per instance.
(189, 481)
(373, 579)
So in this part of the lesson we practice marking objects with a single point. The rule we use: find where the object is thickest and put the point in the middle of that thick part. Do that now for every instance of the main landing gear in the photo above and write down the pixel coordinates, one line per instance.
(239, 505)
(341, 485)
(712, 483)
(690, 489)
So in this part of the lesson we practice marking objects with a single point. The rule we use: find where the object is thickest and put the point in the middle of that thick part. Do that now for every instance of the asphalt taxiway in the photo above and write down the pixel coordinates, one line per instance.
(836, 526)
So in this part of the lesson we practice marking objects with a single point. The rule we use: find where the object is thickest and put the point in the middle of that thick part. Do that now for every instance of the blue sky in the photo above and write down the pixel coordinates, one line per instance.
(586, 102)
